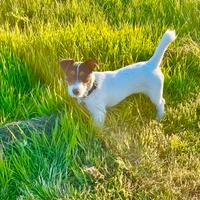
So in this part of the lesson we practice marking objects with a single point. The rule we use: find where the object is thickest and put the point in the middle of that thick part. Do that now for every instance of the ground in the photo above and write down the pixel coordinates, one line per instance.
(133, 157)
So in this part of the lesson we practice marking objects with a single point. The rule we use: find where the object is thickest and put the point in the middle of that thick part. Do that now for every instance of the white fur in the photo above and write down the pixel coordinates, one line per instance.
(114, 86)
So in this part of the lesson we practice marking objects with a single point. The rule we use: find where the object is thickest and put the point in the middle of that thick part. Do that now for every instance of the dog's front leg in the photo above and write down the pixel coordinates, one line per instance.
(99, 119)
(98, 115)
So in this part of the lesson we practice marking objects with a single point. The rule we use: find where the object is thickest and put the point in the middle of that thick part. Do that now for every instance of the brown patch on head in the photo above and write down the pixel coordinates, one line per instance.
(84, 71)
(84, 74)
(68, 66)
(91, 64)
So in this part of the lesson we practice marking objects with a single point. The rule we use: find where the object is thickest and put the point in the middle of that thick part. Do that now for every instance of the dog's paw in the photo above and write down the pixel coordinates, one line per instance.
(159, 116)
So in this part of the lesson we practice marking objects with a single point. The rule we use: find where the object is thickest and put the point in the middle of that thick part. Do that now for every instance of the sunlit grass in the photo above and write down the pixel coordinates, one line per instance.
(137, 157)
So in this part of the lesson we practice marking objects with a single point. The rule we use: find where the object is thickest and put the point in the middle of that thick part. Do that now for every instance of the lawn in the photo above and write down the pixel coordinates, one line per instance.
(134, 156)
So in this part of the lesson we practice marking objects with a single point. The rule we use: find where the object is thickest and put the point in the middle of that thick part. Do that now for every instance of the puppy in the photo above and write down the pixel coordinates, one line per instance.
(100, 90)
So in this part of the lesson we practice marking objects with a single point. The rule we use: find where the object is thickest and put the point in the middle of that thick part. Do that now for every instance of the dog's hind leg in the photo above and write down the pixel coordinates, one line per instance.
(159, 102)
(160, 109)
(156, 96)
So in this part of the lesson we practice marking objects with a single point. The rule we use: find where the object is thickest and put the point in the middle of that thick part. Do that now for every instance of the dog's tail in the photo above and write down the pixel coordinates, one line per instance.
(157, 57)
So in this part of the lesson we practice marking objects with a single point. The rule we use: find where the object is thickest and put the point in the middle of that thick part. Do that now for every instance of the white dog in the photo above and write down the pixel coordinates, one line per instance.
(99, 90)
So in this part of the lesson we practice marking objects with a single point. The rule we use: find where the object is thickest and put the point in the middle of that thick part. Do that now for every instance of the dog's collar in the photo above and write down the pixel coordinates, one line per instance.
(94, 87)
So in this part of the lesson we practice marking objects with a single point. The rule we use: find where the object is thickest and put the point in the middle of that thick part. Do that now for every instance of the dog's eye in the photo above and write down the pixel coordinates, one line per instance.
(82, 75)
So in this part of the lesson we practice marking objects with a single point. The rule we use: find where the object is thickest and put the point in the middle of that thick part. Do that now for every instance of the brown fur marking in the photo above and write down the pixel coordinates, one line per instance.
(85, 70)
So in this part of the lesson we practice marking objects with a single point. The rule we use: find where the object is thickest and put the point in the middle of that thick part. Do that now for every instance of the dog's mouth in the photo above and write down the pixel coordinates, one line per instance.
(77, 94)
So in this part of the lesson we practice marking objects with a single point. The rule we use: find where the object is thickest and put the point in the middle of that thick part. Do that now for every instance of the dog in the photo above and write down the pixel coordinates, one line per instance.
(100, 90)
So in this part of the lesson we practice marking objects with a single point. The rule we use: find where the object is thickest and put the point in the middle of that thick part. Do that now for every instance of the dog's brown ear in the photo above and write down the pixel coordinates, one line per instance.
(91, 64)
(66, 64)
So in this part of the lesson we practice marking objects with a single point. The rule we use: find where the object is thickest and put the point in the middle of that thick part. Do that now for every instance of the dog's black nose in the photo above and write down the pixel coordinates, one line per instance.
(75, 91)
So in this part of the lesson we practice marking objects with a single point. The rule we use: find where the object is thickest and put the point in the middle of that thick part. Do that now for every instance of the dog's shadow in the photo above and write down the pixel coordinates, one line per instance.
(128, 125)
(132, 131)
(135, 109)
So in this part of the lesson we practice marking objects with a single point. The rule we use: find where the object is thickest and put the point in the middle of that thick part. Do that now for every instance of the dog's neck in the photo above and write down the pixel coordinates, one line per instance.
(91, 88)
(94, 86)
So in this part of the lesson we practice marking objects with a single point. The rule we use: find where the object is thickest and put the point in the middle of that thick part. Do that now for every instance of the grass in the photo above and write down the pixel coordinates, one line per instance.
(133, 157)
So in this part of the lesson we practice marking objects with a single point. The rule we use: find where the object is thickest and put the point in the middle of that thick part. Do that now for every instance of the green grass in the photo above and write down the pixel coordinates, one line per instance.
(137, 157)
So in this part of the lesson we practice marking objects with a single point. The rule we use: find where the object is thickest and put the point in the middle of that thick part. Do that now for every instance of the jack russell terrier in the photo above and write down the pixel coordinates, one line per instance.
(100, 90)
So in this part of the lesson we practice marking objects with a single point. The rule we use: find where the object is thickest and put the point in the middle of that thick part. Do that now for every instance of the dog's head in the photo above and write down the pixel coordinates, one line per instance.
(79, 76)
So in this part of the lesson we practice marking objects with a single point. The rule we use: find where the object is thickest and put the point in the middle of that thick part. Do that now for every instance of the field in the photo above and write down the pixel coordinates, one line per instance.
(134, 156)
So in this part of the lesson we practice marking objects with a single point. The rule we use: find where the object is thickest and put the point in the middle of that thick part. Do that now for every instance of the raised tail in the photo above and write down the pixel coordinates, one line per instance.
(157, 57)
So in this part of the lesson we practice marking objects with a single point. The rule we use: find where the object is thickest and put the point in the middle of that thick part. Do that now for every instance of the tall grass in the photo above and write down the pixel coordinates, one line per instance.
(137, 157)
